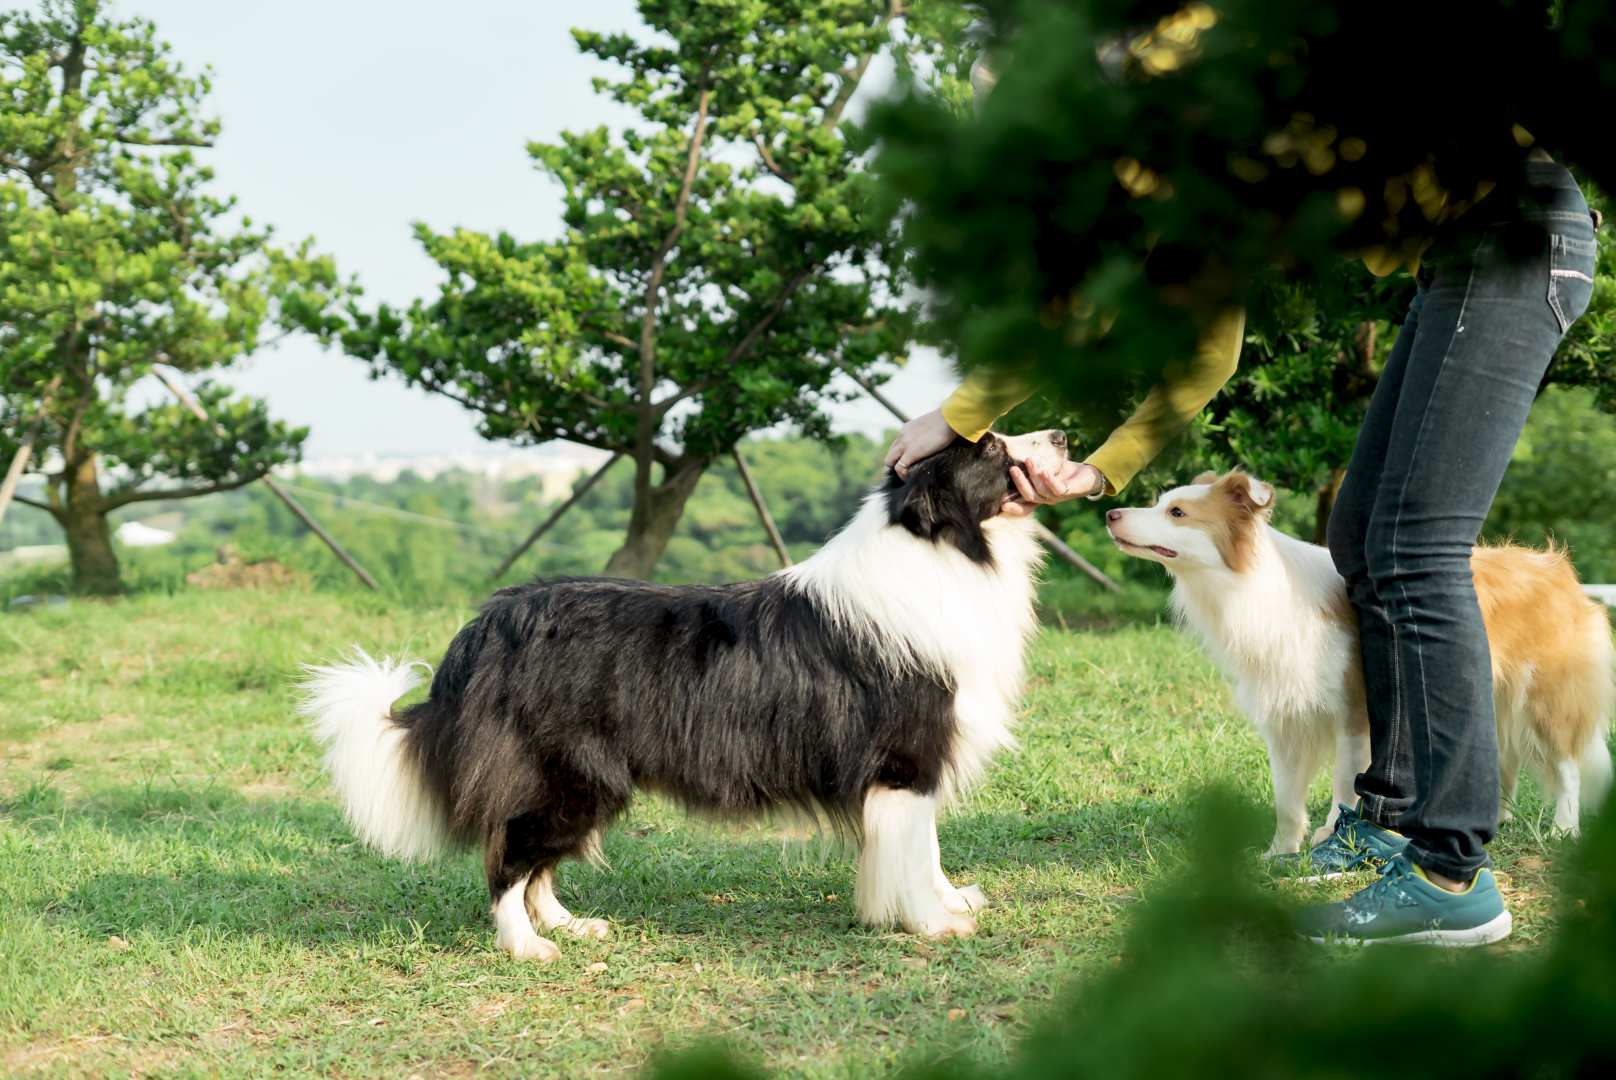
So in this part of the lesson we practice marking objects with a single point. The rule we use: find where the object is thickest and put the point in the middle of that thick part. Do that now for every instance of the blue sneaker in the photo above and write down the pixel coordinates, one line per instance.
(1356, 844)
(1403, 907)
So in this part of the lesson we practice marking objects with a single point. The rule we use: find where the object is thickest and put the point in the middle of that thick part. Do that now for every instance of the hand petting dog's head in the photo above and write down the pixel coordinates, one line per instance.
(951, 496)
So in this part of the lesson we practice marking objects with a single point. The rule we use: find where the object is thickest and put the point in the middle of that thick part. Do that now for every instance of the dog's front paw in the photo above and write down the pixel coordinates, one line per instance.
(529, 946)
(946, 924)
(965, 900)
(599, 929)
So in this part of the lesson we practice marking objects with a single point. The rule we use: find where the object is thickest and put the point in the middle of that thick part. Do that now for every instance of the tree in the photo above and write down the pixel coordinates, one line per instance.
(114, 256)
(721, 259)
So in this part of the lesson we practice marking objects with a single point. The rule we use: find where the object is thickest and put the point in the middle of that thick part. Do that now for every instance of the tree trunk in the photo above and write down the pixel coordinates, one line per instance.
(89, 539)
(1326, 503)
(656, 514)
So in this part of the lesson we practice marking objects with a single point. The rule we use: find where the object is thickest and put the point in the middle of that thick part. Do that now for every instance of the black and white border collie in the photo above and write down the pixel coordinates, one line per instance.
(869, 685)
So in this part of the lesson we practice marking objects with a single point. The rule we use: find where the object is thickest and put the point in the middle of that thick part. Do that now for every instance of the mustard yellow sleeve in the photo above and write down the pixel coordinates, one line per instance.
(1172, 404)
(981, 399)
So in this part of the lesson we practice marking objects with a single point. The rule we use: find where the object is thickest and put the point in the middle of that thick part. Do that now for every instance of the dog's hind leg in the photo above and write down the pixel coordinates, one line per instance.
(514, 931)
(1509, 772)
(898, 871)
(1594, 765)
(964, 900)
(550, 915)
(1565, 784)
(520, 856)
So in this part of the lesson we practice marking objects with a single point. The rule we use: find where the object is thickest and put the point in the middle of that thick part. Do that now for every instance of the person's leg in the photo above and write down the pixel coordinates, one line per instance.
(1385, 788)
(1492, 317)
(1494, 312)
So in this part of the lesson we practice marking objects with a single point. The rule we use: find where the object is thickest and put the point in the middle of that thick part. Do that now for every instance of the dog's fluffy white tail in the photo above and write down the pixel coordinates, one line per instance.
(385, 798)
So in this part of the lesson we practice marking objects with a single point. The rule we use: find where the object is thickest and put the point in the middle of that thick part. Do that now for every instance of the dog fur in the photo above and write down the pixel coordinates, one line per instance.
(1274, 615)
(868, 686)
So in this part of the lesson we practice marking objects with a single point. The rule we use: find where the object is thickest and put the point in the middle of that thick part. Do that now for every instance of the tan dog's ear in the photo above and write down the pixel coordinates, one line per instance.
(1205, 478)
(1248, 492)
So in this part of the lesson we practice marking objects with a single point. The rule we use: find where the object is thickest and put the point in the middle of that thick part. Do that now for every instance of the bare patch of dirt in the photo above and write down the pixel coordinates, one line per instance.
(232, 572)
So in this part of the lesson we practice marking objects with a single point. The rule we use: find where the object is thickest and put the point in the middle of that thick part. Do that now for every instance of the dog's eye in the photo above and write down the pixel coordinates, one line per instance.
(1175, 512)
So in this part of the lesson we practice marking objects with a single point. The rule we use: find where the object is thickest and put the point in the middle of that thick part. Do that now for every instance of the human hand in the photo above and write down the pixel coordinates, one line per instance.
(1042, 487)
(919, 439)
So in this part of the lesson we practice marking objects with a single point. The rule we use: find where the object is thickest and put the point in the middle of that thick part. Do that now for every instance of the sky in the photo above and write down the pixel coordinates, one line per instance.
(348, 120)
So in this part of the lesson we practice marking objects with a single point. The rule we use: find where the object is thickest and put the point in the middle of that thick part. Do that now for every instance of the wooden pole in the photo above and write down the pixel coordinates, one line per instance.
(762, 508)
(1055, 543)
(870, 388)
(19, 460)
(269, 481)
(555, 516)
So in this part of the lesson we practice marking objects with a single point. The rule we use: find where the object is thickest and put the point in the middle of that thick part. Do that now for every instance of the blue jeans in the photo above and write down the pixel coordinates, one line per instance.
(1496, 295)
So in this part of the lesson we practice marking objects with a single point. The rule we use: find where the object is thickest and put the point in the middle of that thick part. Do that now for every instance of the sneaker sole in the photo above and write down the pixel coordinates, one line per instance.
(1329, 875)
(1488, 933)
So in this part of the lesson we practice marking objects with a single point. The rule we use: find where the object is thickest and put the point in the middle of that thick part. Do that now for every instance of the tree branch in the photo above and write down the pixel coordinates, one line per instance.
(35, 172)
(168, 140)
(645, 429)
(572, 436)
(855, 75)
(433, 387)
(70, 434)
(117, 499)
(35, 503)
(690, 391)
(653, 287)
(768, 158)
(744, 346)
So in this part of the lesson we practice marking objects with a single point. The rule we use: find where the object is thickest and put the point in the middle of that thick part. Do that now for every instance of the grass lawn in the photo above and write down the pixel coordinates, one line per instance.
(178, 893)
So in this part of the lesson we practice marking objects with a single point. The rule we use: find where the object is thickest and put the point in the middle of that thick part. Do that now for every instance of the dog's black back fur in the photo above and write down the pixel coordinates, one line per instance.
(562, 696)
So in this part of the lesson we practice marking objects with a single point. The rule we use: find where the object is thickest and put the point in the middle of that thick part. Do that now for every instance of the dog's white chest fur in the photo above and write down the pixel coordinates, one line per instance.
(929, 605)
(1277, 631)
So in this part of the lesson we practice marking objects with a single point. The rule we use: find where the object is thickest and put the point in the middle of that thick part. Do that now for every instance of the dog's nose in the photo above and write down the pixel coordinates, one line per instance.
(1058, 438)
(1113, 515)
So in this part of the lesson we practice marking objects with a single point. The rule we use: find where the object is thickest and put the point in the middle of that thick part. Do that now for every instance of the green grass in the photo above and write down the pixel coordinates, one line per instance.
(178, 893)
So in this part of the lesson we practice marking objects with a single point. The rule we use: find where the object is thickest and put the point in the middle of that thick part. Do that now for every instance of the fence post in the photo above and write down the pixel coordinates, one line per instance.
(762, 508)
(269, 481)
(19, 460)
(555, 516)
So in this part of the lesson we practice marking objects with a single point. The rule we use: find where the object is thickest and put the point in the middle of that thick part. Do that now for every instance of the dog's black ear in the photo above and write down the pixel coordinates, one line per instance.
(930, 505)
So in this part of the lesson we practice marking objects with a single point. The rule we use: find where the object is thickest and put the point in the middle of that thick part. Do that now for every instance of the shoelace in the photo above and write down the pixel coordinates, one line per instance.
(1391, 883)
(1346, 831)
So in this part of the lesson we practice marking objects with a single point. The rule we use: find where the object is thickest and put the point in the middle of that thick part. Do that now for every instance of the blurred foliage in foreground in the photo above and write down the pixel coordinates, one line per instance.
(1141, 164)
(1213, 983)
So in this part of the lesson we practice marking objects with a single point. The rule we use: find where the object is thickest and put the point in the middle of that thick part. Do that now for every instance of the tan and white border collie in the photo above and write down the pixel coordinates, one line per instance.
(1274, 615)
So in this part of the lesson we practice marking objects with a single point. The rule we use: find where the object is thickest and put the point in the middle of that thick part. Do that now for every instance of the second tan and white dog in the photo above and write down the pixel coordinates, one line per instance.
(1274, 615)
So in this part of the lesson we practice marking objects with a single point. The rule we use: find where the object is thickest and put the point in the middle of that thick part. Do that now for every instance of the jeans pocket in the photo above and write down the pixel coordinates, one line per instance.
(1571, 278)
